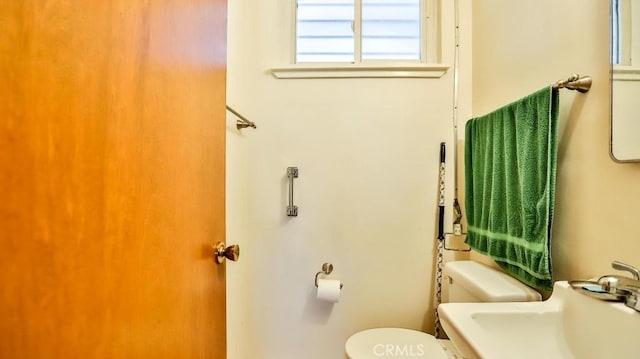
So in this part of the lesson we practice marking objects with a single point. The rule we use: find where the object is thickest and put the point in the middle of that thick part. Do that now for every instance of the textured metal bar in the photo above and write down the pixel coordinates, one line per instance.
(292, 210)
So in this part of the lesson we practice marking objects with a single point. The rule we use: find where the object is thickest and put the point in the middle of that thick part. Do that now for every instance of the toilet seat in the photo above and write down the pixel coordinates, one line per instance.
(393, 343)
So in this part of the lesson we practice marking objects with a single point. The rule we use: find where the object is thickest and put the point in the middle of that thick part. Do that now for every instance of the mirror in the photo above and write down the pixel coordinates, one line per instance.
(625, 80)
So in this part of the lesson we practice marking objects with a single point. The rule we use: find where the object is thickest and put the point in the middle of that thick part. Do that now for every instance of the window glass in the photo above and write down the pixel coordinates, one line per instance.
(615, 32)
(391, 29)
(324, 31)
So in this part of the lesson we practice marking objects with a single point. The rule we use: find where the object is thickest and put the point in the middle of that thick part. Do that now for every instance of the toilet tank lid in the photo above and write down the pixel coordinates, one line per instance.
(489, 284)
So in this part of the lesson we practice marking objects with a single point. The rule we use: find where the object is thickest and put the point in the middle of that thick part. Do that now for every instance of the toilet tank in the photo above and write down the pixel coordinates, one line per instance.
(469, 281)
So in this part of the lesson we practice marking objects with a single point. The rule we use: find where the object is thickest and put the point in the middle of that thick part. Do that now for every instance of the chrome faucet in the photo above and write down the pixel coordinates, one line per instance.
(627, 287)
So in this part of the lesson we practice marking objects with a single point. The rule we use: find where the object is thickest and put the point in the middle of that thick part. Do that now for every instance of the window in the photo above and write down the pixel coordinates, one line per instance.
(365, 39)
(616, 24)
(625, 22)
(356, 31)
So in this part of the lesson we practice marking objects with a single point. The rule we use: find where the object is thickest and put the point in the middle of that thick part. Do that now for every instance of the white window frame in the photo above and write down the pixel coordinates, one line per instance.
(428, 66)
(629, 70)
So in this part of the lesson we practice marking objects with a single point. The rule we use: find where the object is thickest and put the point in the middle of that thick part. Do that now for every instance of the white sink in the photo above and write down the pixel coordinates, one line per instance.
(567, 325)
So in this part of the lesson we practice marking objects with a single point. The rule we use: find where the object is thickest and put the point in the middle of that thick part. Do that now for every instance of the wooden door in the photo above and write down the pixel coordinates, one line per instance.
(112, 178)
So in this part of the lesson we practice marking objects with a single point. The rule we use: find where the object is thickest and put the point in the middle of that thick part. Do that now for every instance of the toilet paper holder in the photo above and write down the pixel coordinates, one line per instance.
(327, 268)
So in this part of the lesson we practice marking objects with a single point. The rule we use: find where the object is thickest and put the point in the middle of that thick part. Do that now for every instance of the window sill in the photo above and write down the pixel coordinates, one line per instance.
(313, 71)
(626, 73)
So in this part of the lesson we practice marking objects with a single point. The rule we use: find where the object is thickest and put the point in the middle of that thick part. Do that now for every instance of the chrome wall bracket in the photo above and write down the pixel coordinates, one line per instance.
(241, 122)
(292, 210)
(575, 82)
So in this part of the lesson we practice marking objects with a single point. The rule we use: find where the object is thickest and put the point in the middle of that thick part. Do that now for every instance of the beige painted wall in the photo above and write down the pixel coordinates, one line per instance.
(367, 151)
(521, 46)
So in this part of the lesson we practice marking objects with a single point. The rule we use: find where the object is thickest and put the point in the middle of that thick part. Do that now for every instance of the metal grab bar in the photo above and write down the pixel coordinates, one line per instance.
(292, 210)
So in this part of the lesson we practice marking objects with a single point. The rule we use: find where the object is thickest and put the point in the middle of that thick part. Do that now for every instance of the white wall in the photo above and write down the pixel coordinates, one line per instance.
(367, 151)
(521, 46)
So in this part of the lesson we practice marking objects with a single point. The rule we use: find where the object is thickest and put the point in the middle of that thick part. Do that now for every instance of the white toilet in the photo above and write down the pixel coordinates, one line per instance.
(463, 281)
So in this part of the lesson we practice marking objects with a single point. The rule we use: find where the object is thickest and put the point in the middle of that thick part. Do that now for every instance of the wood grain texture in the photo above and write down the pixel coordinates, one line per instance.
(112, 178)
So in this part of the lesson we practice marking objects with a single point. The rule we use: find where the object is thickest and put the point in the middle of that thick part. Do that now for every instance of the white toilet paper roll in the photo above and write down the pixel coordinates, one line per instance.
(329, 290)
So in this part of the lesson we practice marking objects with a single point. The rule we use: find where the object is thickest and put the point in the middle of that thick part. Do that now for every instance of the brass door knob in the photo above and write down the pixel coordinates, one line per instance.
(222, 251)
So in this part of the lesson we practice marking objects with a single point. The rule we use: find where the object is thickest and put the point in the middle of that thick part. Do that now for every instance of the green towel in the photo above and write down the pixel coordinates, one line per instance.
(510, 164)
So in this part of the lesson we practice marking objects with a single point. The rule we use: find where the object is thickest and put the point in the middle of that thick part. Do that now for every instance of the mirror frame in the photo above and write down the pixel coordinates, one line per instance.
(611, 94)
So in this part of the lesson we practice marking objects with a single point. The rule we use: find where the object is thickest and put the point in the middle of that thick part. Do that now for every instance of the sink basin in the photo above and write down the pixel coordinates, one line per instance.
(567, 325)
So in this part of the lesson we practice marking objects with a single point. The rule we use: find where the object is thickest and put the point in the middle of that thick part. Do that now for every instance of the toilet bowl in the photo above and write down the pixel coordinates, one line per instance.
(466, 281)
(398, 343)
